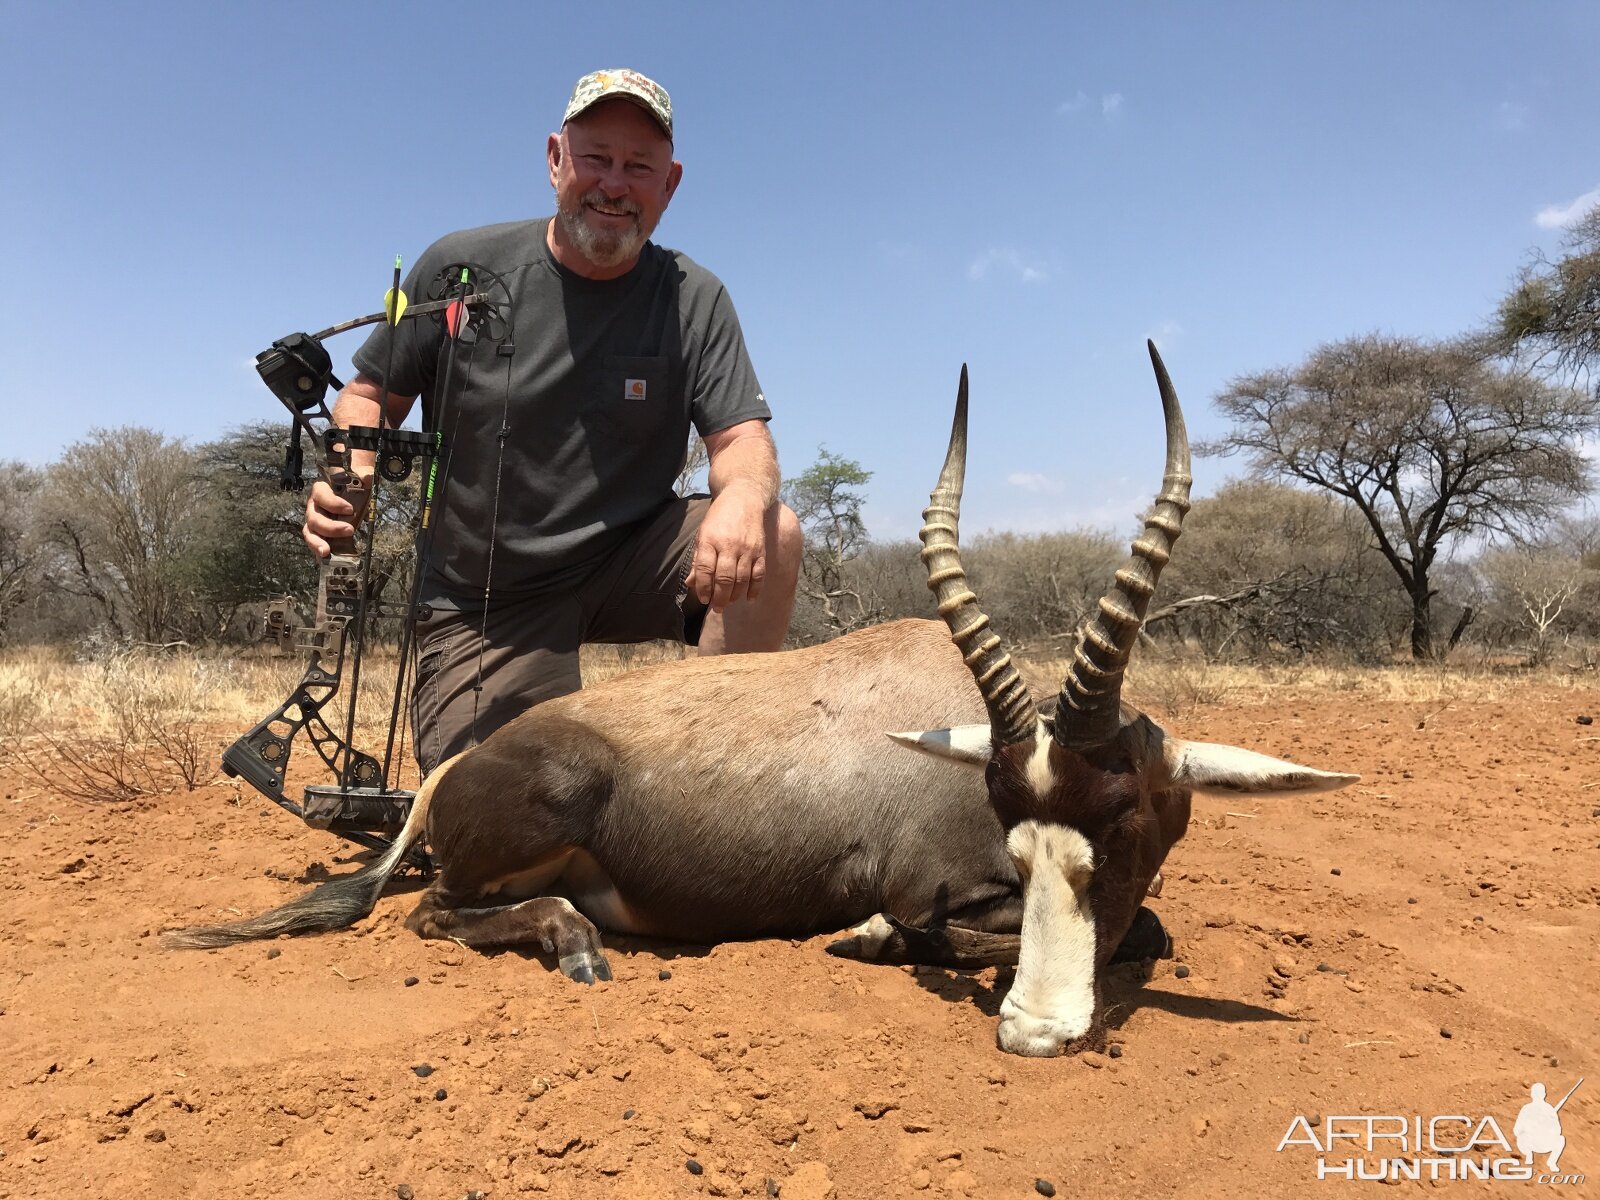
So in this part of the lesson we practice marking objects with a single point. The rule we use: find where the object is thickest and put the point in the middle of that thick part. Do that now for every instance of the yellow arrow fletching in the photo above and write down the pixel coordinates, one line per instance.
(394, 305)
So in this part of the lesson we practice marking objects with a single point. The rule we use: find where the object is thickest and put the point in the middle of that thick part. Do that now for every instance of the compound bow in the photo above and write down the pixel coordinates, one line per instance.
(361, 806)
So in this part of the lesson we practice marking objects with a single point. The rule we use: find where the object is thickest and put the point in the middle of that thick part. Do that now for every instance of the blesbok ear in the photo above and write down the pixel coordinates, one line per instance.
(1210, 767)
(964, 743)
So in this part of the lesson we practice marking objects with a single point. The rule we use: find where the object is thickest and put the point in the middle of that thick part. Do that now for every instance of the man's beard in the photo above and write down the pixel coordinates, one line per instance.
(604, 248)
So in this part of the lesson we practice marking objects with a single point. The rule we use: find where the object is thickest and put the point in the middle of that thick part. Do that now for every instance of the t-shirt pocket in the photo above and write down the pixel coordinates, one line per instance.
(632, 400)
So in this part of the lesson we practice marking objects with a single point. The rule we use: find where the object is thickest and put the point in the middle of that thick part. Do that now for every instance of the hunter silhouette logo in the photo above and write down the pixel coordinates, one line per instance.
(633, 389)
(1538, 1127)
(1395, 1146)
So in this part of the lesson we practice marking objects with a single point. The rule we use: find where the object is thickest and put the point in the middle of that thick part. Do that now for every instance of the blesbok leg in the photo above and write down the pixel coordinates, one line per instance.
(883, 939)
(978, 935)
(549, 922)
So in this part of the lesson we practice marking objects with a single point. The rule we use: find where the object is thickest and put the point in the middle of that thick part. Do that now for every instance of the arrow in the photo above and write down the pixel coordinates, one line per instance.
(456, 313)
(394, 300)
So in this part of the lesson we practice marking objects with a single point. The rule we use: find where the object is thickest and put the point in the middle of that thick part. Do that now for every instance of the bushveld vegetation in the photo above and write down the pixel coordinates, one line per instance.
(1403, 501)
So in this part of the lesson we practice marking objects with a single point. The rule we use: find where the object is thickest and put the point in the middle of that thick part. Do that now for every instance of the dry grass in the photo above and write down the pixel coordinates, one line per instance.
(1175, 685)
(117, 722)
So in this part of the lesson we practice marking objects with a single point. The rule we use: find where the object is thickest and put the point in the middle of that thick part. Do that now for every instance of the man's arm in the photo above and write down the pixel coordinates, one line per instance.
(730, 559)
(330, 516)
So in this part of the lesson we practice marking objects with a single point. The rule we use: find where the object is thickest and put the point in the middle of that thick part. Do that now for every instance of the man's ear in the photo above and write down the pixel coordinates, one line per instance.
(964, 743)
(674, 178)
(552, 156)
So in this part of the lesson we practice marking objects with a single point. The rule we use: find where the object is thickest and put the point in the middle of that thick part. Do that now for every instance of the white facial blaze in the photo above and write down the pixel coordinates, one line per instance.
(1040, 775)
(1052, 1001)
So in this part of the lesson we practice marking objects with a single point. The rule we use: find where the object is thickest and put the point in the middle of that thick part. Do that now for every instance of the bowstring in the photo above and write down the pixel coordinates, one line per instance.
(433, 506)
(494, 527)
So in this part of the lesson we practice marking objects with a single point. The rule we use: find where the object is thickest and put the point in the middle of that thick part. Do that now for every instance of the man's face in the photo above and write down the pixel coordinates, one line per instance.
(613, 174)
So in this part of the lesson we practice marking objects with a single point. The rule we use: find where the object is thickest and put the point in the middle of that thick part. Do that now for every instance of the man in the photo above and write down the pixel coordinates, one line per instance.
(565, 415)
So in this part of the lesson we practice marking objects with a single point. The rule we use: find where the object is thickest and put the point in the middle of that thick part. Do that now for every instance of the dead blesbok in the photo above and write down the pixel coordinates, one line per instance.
(758, 795)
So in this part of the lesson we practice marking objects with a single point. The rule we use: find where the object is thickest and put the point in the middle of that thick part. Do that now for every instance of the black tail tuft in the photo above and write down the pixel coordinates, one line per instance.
(336, 904)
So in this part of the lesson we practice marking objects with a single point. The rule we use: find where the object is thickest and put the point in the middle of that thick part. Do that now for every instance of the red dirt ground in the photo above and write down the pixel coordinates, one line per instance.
(289, 1068)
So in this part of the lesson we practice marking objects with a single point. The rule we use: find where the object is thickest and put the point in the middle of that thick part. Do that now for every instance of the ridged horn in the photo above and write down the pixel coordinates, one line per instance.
(1012, 715)
(1089, 711)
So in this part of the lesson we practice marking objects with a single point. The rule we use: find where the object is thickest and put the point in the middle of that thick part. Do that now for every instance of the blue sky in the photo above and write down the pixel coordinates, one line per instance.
(887, 190)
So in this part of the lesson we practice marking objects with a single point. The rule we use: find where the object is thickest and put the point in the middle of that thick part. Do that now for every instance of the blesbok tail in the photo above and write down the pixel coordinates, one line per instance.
(337, 904)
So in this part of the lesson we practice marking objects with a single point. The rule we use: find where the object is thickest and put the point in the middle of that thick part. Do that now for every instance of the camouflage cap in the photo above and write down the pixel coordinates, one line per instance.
(621, 84)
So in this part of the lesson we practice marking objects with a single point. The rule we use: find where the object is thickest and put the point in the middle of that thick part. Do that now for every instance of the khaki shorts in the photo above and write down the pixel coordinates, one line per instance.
(477, 671)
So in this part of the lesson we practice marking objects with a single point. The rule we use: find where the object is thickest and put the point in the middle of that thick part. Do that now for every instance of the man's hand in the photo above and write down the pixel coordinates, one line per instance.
(331, 518)
(730, 558)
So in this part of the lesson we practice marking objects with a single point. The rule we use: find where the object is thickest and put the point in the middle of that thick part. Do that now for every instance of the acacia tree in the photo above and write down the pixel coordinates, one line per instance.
(1554, 310)
(827, 499)
(21, 555)
(1535, 589)
(118, 511)
(1429, 441)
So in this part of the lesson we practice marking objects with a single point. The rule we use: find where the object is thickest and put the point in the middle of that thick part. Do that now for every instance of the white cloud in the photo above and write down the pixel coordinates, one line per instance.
(1004, 259)
(1109, 104)
(1032, 481)
(1563, 216)
(1511, 116)
(1166, 335)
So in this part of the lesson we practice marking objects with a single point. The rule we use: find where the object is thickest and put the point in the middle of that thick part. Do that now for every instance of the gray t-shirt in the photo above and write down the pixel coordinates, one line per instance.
(596, 383)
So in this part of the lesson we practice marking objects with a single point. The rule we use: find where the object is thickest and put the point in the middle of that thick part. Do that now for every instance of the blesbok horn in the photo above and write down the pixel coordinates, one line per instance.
(1012, 715)
(1089, 711)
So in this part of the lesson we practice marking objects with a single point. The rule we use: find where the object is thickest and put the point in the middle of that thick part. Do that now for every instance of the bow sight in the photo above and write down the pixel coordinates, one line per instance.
(361, 807)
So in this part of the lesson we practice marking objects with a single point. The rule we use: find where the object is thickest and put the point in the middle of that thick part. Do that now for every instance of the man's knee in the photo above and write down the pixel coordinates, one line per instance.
(785, 548)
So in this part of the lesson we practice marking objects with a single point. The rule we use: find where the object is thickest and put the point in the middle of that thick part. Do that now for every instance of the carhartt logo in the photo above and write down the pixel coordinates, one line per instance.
(1444, 1146)
(633, 389)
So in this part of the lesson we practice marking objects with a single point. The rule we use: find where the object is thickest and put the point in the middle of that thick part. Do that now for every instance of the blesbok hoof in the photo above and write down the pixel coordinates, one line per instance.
(1146, 938)
(586, 966)
(866, 942)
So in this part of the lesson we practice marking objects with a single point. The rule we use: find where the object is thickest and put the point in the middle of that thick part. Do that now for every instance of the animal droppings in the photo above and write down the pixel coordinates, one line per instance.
(628, 1114)
(1585, 720)
(663, 974)
(403, 1192)
(1335, 871)
(1044, 1187)
(1445, 1033)
(694, 1168)
(411, 981)
(423, 1070)
(1114, 1050)
(1180, 972)
(1411, 899)
(441, 1094)
(274, 952)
